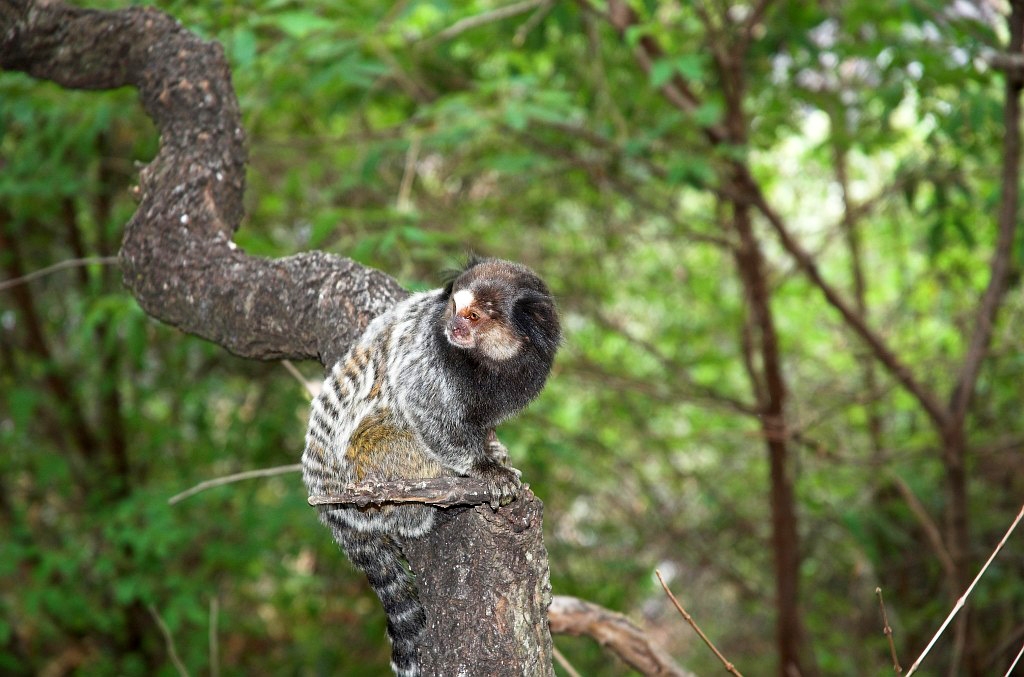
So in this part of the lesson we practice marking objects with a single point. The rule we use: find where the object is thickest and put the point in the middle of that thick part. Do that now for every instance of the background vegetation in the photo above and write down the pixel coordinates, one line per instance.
(771, 229)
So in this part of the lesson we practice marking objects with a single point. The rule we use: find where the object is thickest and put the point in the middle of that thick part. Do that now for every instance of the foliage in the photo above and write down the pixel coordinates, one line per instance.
(379, 132)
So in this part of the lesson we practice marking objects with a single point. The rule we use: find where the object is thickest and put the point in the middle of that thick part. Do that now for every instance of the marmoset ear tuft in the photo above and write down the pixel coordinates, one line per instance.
(535, 318)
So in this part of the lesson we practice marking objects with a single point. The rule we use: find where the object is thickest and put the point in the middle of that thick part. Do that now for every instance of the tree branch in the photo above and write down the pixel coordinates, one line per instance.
(622, 17)
(442, 492)
(62, 265)
(1002, 257)
(573, 616)
(177, 256)
(882, 352)
(496, 14)
(231, 479)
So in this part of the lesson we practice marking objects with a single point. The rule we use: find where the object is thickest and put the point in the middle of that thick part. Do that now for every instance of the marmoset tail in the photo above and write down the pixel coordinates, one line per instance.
(419, 396)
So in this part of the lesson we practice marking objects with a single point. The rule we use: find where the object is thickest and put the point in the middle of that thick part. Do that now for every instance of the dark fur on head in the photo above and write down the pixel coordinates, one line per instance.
(522, 312)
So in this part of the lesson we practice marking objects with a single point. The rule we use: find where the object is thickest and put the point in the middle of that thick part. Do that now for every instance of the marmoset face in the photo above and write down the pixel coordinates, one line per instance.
(476, 320)
(502, 312)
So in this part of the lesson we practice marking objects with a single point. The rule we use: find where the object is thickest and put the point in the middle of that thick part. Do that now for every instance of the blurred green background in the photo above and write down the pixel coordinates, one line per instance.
(403, 136)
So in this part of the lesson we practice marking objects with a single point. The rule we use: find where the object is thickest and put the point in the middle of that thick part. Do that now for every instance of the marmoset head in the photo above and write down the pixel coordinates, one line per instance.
(501, 310)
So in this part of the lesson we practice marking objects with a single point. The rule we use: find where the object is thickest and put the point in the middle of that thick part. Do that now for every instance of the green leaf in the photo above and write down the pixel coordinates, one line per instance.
(661, 72)
(708, 113)
(689, 66)
(243, 48)
(299, 24)
(22, 402)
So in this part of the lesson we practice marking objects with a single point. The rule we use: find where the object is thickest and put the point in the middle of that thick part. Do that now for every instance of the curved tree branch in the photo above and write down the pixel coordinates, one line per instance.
(177, 255)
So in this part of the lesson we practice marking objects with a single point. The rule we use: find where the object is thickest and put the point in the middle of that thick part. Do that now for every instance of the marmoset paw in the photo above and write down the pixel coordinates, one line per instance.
(503, 482)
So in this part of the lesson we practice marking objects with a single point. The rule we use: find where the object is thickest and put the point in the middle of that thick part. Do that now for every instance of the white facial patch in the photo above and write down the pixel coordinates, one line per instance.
(463, 299)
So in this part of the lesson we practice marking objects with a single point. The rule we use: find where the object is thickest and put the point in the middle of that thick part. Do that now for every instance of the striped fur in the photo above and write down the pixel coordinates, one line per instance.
(409, 401)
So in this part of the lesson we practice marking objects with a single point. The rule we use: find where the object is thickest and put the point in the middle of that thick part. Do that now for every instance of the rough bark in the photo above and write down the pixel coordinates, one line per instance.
(484, 574)
(443, 492)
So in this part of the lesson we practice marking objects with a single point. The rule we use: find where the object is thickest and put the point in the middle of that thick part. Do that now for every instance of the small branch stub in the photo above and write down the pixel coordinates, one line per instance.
(442, 492)
(887, 631)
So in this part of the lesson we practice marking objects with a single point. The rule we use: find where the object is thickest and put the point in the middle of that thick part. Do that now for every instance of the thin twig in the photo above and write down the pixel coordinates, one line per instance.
(963, 598)
(931, 530)
(1009, 670)
(168, 640)
(312, 387)
(237, 477)
(408, 174)
(887, 630)
(471, 22)
(68, 263)
(566, 665)
(729, 667)
(545, 8)
(214, 644)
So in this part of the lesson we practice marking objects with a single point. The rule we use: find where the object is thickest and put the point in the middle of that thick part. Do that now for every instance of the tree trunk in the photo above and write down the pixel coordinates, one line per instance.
(483, 575)
(770, 390)
(489, 588)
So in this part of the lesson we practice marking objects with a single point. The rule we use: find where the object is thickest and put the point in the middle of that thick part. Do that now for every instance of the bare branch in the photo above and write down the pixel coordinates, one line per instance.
(729, 667)
(68, 263)
(545, 8)
(1002, 256)
(443, 492)
(177, 256)
(753, 20)
(237, 477)
(887, 631)
(402, 202)
(573, 616)
(882, 352)
(312, 387)
(471, 22)
(564, 662)
(963, 598)
(1009, 63)
(1009, 670)
(931, 530)
(676, 91)
(172, 653)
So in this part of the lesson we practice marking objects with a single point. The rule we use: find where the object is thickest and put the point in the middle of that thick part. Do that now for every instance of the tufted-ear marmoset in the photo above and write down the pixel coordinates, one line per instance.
(419, 396)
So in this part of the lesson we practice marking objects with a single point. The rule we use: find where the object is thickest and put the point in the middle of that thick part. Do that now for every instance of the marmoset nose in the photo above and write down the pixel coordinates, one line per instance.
(459, 327)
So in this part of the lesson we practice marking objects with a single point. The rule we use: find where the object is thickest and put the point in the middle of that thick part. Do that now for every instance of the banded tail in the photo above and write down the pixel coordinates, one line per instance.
(380, 557)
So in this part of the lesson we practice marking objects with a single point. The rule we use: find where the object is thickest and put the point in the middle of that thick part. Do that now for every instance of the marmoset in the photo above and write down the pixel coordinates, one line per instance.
(419, 396)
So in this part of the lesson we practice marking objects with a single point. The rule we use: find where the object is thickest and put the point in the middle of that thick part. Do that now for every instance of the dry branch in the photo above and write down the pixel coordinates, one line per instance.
(235, 477)
(729, 667)
(62, 265)
(443, 492)
(887, 631)
(963, 598)
(572, 616)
